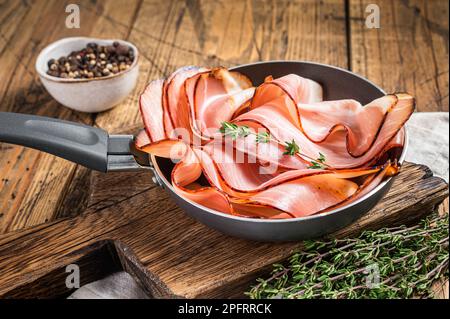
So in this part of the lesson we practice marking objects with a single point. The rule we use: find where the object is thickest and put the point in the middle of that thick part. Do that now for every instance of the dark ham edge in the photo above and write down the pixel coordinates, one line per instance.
(303, 173)
(216, 73)
(299, 121)
(376, 158)
(142, 139)
(143, 108)
(170, 82)
(370, 184)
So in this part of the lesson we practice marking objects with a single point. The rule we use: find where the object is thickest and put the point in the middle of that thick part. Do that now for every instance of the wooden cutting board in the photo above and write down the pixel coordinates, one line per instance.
(132, 224)
(164, 252)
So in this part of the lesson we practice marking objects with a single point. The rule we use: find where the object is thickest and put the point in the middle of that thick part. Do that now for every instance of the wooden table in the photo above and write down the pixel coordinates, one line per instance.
(408, 53)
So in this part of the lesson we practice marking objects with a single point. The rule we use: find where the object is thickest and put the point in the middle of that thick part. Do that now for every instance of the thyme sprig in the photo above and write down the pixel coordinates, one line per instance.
(407, 261)
(291, 148)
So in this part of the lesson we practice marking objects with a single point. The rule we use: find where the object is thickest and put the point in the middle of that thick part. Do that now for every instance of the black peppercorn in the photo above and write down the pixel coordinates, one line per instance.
(92, 61)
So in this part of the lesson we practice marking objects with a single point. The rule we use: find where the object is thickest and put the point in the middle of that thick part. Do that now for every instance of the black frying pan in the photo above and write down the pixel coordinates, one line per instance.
(95, 149)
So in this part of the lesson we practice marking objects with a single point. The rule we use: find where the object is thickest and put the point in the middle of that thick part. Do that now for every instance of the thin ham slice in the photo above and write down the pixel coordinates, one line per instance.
(150, 106)
(335, 146)
(248, 178)
(299, 89)
(288, 90)
(187, 171)
(218, 95)
(142, 139)
(175, 100)
(248, 190)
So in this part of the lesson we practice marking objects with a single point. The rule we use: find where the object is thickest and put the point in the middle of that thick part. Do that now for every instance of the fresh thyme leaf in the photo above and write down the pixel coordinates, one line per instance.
(316, 165)
(319, 163)
(321, 158)
(244, 131)
(396, 262)
(263, 137)
(292, 148)
(229, 129)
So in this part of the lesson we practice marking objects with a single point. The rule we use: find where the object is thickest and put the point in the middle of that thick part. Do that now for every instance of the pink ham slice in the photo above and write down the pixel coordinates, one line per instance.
(217, 96)
(233, 173)
(187, 171)
(142, 139)
(257, 180)
(299, 89)
(335, 146)
(175, 101)
(150, 106)
(288, 90)
(258, 195)
(361, 123)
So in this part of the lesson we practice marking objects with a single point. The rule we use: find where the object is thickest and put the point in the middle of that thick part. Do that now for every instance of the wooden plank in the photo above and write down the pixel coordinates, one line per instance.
(33, 184)
(408, 53)
(179, 33)
(168, 252)
(225, 32)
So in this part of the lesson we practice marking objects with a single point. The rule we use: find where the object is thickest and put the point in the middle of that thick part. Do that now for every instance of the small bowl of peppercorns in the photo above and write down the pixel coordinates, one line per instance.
(87, 74)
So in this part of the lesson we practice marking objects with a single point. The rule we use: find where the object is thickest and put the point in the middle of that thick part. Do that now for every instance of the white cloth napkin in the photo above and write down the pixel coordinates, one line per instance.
(428, 141)
(428, 144)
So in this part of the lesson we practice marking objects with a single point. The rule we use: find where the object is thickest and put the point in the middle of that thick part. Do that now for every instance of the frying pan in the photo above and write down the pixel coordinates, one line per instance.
(96, 149)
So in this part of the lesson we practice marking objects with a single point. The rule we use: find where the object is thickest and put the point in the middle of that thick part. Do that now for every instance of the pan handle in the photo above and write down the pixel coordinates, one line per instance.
(82, 144)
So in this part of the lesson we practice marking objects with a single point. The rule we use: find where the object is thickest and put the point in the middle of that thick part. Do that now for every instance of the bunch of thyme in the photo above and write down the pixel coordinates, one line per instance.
(397, 262)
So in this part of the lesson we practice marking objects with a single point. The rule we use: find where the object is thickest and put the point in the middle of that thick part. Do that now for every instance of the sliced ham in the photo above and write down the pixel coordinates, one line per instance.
(175, 100)
(187, 171)
(218, 95)
(244, 177)
(335, 146)
(142, 139)
(150, 106)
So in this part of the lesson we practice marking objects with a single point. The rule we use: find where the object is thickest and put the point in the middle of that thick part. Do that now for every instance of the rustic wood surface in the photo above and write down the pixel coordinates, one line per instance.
(409, 53)
(169, 253)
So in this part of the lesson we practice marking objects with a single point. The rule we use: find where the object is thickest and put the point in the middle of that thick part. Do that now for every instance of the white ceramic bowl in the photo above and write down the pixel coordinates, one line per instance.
(86, 95)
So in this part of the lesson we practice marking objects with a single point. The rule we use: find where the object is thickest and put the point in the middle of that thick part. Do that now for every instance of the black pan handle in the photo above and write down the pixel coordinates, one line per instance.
(82, 144)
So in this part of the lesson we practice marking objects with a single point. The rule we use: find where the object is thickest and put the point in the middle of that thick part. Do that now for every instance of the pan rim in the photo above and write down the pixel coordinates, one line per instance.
(167, 184)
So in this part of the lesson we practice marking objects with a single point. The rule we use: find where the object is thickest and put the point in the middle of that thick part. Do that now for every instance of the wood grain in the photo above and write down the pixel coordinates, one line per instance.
(169, 253)
(213, 33)
(409, 53)
(34, 185)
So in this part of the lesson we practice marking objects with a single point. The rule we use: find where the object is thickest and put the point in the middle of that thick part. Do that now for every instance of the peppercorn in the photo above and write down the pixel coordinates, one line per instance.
(51, 62)
(92, 61)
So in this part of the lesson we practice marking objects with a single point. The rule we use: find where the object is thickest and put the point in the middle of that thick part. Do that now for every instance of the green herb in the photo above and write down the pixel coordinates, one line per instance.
(291, 148)
(397, 262)
(229, 129)
(321, 158)
(263, 137)
(316, 165)
(319, 163)
(235, 131)
(244, 131)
